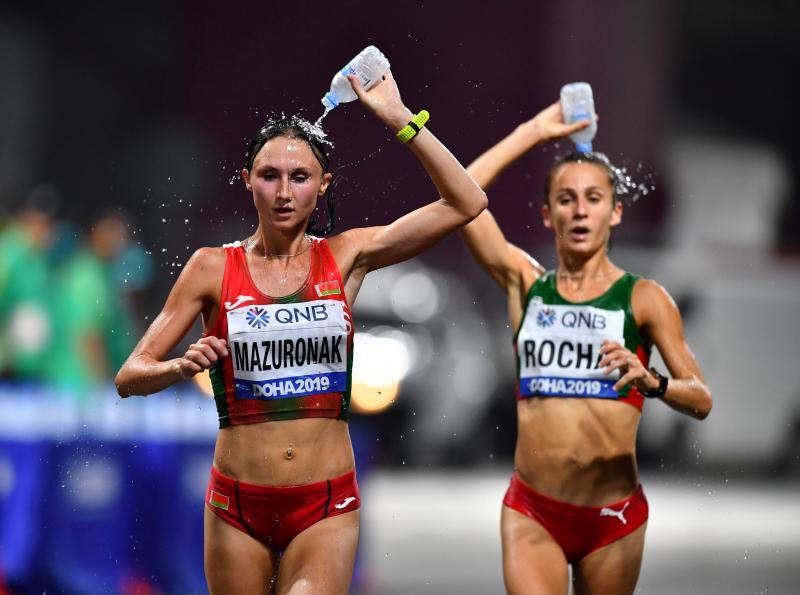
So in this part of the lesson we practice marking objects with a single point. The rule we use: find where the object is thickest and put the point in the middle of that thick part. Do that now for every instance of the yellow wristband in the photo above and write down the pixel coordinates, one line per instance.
(413, 127)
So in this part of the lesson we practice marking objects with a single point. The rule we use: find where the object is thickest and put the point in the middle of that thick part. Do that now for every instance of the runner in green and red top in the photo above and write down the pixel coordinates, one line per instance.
(282, 503)
(583, 335)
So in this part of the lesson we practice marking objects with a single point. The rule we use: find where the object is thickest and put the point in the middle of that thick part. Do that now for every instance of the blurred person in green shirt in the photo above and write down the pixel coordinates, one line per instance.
(91, 321)
(25, 291)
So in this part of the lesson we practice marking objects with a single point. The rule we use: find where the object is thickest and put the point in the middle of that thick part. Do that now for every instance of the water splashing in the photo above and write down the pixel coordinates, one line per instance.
(631, 186)
(314, 131)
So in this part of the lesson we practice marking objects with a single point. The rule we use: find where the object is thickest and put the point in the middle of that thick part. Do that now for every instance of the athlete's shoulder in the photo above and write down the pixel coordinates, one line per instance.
(201, 276)
(524, 267)
(648, 289)
(349, 245)
(208, 255)
(652, 303)
(206, 261)
(525, 261)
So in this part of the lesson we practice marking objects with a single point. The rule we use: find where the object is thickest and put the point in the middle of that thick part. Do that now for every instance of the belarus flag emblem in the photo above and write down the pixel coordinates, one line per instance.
(328, 288)
(219, 500)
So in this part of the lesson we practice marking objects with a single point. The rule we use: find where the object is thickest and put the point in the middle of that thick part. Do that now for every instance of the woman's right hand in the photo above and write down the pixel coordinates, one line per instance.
(384, 101)
(202, 356)
(548, 125)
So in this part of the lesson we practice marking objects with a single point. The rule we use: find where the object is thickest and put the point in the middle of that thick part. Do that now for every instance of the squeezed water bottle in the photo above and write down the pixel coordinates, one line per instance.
(368, 66)
(577, 103)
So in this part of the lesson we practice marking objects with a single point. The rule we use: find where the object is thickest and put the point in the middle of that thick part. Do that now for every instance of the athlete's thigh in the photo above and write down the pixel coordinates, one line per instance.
(235, 562)
(320, 559)
(613, 569)
(532, 561)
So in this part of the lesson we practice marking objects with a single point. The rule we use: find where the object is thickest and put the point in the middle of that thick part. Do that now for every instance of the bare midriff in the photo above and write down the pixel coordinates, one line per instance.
(581, 451)
(285, 453)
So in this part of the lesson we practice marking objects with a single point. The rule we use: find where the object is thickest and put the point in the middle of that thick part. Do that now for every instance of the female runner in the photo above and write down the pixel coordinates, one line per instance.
(583, 339)
(282, 503)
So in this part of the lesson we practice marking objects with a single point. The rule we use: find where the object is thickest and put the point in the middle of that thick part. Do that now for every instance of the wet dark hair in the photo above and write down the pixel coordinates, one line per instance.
(313, 135)
(594, 157)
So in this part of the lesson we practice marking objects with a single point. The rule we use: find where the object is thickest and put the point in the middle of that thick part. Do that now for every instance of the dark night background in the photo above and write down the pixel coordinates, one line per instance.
(143, 105)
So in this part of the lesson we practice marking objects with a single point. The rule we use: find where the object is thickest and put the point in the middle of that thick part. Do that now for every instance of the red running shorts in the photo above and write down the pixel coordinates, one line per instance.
(274, 515)
(579, 530)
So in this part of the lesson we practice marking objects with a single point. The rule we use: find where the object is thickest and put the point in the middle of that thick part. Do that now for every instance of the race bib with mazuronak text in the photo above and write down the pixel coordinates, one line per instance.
(288, 350)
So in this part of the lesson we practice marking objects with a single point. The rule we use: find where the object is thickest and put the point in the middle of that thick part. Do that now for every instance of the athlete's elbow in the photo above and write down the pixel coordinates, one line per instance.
(483, 204)
(122, 383)
(122, 388)
(705, 405)
(477, 205)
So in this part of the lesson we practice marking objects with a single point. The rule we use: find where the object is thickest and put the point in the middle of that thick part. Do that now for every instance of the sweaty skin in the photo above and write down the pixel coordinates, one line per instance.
(285, 182)
(589, 456)
(578, 451)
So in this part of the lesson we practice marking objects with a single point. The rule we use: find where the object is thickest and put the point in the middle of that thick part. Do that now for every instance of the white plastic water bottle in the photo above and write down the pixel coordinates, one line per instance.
(577, 103)
(368, 66)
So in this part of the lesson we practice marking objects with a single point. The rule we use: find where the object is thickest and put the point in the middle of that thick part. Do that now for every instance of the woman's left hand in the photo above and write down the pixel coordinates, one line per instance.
(384, 101)
(549, 125)
(616, 357)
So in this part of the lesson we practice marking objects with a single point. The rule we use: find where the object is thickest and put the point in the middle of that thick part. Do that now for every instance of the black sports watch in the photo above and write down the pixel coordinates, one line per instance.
(662, 385)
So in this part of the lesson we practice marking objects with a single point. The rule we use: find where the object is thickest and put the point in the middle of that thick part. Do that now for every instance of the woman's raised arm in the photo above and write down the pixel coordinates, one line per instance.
(503, 261)
(461, 199)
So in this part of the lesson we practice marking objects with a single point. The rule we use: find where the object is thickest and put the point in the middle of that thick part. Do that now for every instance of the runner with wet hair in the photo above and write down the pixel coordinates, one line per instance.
(583, 336)
(299, 128)
(282, 505)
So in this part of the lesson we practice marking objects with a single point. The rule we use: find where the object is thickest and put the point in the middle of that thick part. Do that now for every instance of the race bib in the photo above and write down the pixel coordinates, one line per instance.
(288, 350)
(559, 350)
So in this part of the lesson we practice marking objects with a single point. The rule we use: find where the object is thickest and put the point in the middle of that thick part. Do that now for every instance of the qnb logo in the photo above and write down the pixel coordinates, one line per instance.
(257, 317)
(301, 314)
(587, 320)
(546, 317)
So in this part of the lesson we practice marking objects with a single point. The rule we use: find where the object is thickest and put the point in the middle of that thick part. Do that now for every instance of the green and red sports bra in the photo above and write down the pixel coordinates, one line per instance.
(558, 342)
(289, 357)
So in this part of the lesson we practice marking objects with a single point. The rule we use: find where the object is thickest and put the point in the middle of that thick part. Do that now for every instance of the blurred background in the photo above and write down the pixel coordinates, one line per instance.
(124, 128)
